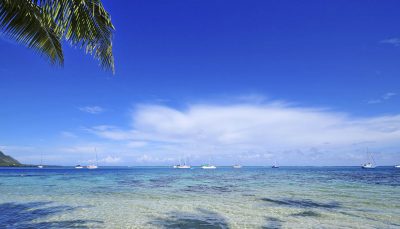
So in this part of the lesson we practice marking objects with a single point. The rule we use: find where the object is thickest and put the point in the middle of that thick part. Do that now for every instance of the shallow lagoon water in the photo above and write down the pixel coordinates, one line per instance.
(160, 197)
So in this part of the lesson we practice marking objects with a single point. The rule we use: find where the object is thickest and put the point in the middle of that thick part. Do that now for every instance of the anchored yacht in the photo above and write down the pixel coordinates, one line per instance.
(93, 166)
(182, 166)
(41, 162)
(369, 165)
(208, 166)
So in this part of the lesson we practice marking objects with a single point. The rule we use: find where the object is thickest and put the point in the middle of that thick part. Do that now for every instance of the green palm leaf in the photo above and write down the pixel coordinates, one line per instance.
(83, 23)
(24, 21)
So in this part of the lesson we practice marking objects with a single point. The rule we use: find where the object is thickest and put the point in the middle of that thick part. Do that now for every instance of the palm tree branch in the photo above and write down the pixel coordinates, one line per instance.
(84, 24)
(24, 21)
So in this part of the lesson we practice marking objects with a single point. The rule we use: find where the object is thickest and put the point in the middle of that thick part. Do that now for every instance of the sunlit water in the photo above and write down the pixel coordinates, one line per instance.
(252, 197)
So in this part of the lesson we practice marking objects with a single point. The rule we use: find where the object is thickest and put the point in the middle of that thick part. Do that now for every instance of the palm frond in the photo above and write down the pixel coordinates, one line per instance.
(42, 24)
(85, 24)
(25, 22)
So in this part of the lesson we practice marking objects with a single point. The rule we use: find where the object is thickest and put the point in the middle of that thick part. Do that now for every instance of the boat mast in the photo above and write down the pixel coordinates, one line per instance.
(96, 156)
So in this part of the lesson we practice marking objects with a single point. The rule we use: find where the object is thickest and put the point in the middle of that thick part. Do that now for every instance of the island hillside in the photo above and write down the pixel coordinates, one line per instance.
(6, 160)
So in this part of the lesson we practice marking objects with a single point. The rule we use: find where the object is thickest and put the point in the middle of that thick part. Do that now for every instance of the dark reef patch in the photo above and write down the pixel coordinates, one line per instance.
(203, 220)
(26, 215)
(273, 223)
(302, 203)
(307, 214)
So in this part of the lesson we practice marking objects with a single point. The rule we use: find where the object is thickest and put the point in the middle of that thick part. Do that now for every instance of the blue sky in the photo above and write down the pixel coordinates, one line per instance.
(302, 83)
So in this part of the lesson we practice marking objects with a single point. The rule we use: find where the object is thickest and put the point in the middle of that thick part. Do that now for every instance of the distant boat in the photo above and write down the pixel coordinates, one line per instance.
(275, 166)
(369, 165)
(41, 162)
(208, 166)
(182, 166)
(93, 166)
(79, 167)
(397, 166)
(237, 166)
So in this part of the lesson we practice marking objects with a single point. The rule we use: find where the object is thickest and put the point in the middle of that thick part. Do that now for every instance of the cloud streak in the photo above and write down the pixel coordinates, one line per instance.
(92, 109)
(210, 130)
(391, 41)
(387, 96)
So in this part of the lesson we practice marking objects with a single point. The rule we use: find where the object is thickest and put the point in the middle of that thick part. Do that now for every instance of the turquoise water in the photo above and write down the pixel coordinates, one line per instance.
(251, 197)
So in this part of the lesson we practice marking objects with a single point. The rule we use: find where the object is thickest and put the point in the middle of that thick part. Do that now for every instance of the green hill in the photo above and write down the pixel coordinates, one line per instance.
(8, 161)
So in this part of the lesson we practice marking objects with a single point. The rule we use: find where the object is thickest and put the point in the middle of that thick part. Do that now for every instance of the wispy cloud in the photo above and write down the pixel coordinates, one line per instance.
(67, 134)
(384, 97)
(242, 131)
(110, 160)
(374, 101)
(267, 130)
(391, 41)
(92, 109)
(388, 95)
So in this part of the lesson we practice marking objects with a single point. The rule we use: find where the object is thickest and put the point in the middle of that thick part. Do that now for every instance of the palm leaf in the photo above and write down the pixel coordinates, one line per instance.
(85, 24)
(24, 21)
(42, 24)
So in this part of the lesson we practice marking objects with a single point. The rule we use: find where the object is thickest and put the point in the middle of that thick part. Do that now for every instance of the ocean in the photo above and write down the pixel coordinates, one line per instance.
(161, 197)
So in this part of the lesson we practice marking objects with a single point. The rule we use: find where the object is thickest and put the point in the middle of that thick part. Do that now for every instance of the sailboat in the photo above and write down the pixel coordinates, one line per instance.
(397, 166)
(275, 166)
(41, 162)
(237, 166)
(182, 166)
(208, 166)
(369, 165)
(93, 166)
(78, 167)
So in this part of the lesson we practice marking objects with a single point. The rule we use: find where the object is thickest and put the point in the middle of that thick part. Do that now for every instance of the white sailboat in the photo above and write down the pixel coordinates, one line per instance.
(275, 166)
(208, 166)
(41, 162)
(182, 166)
(369, 165)
(78, 167)
(93, 166)
(237, 166)
(397, 166)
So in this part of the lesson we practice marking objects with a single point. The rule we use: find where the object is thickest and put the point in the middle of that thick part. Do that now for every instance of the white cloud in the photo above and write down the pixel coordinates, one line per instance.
(145, 158)
(209, 130)
(77, 149)
(110, 160)
(67, 134)
(392, 41)
(388, 95)
(374, 101)
(92, 109)
(384, 97)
